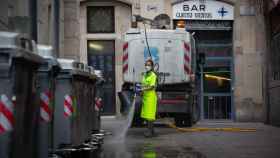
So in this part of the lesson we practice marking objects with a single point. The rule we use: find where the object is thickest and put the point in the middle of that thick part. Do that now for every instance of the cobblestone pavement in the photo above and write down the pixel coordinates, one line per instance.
(264, 143)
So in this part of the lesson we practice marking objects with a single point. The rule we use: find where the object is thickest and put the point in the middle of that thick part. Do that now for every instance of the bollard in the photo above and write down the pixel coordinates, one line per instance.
(19, 110)
(46, 78)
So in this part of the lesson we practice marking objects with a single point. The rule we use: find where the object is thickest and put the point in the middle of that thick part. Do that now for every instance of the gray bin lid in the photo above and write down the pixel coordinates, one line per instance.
(99, 75)
(72, 66)
(9, 40)
(46, 52)
(12, 43)
(91, 71)
(66, 64)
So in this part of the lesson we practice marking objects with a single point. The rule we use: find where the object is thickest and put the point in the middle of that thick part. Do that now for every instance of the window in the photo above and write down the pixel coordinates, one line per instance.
(101, 54)
(100, 19)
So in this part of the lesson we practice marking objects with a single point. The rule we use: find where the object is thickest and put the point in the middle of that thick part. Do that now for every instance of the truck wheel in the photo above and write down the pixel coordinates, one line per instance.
(178, 122)
(187, 121)
(183, 121)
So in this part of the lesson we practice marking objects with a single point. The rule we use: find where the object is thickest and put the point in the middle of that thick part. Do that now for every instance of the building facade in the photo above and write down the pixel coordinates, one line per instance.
(234, 46)
(42, 21)
(102, 26)
(15, 16)
(238, 37)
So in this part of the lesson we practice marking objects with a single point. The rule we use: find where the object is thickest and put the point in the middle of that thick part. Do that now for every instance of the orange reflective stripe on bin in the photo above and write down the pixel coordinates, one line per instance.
(6, 114)
(68, 106)
(45, 109)
(98, 104)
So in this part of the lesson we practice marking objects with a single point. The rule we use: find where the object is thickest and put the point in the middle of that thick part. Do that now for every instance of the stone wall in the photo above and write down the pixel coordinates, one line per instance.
(4, 15)
(45, 24)
(71, 29)
(249, 49)
(14, 16)
(44, 21)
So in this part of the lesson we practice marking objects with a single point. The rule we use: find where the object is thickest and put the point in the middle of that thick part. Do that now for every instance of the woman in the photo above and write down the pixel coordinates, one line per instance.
(149, 98)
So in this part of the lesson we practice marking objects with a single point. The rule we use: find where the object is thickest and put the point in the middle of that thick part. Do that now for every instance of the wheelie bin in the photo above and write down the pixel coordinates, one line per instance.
(47, 74)
(19, 110)
(70, 114)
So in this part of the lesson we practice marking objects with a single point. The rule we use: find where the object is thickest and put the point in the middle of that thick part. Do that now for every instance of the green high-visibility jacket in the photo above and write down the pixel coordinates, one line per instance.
(149, 99)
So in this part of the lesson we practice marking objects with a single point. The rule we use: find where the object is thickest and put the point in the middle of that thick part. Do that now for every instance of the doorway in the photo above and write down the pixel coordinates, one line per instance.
(101, 55)
(216, 81)
(217, 88)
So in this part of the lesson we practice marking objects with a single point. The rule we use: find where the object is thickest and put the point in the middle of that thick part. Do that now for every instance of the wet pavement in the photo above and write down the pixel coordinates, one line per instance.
(173, 144)
(148, 150)
(135, 145)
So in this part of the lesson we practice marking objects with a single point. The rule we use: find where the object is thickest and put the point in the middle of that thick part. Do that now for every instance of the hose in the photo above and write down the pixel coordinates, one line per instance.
(146, 38)
(206, 129)
(156, 65)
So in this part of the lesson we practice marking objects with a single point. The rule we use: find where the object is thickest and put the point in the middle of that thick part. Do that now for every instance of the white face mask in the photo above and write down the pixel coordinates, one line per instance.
(148, 68)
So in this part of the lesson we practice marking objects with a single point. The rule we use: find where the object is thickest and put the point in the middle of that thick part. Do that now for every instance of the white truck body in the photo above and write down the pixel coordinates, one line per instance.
(170, 49)
(173, 52)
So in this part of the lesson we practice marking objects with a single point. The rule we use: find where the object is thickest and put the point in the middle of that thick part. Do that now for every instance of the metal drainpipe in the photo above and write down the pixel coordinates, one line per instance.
(33, 16)
(56, 25)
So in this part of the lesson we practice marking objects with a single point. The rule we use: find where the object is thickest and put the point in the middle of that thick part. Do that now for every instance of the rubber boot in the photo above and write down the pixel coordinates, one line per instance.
(150, 132)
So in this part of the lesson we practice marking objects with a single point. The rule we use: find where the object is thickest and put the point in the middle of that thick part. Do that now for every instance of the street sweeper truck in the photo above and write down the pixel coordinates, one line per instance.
(174, 57)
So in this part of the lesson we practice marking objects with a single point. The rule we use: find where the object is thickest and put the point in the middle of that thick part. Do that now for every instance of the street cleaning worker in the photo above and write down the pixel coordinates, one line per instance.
(149, 97)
